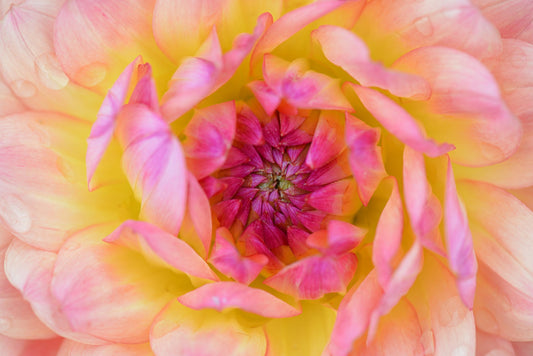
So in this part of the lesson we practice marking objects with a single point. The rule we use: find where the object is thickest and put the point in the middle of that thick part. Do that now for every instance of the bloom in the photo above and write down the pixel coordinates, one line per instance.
(278, 177)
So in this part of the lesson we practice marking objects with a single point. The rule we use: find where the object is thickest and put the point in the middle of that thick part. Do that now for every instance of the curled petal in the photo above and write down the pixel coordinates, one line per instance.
(467, 105)
(336, 198)
(365, 157)
(312, 277)
(459, 241)
(399, 122)
(184, 331)
(161, 248)
(209, 134)
(358, 64)
(228, 295)
(155, 166)
(328, 130)
(339, 238)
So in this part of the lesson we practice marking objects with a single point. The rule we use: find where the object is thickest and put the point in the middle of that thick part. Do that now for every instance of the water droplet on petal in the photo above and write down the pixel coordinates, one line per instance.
(486, 319)
(71, 246)
(428, 342)
(65, 169)
(452, 312)
(506, 304)
(41, 135)
(15, 214)
(91, 74)
(23, 88)
(424, 26)
(50, 72)
(5, 324)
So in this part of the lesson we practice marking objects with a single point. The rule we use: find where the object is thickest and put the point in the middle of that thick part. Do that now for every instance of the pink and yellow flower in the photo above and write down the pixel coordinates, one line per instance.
(266, 177)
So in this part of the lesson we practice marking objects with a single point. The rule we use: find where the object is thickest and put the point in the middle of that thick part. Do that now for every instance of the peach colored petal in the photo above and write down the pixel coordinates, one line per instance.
(70, 348)
(448, 327)
(104, 126)
(227, 259)
(18, 347)
(93, 39)
(197, 227)
(329, 128)
(467, 105)
(339, 238)
(459, 241)
(118, 277)
(434, 22)
(312, 277)
(513, 18)
(357, 62)
(513, 70)
(230, 295)
(161, 248)
(425, 211)
(399, 122)
(490, 344)
(336, 198)
(523, 348)
(30, 270)
(183, 331)
(389, 232)
(353, 315)
(199, 76)
(10, 103)
(365, 156)
(209, 136)
(154, 163)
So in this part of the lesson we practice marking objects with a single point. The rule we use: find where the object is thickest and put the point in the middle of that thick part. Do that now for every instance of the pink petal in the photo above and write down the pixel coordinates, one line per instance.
(145, 91)
(197, 228)
(89, 300)
(160, 247)
(357, 62)
(328, 130)
(513, 70)
(459, 241)
(399, 122)
(74, 348)
(512, 18)
(248, 128)
(92, 38)
(155, 166)
(353, 316)
(339, 238)
(179, 330)
(21, 347)
(289, 24)
(30, 270)
(197, 77)
(104, 126)
(487, 344)
(425, 212)
(433, 22)
(467, 105)
(335, 198)
(312, 277)
(365, 157)
(227, 259)
(389, 232)
(210, 135)
(10, 104)
(523, 348)
(224, 295)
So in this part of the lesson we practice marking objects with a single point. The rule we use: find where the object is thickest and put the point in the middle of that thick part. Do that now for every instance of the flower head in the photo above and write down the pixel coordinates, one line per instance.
(266, 178)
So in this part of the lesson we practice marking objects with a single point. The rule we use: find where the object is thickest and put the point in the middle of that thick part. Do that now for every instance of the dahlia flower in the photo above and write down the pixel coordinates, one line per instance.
(277, 177)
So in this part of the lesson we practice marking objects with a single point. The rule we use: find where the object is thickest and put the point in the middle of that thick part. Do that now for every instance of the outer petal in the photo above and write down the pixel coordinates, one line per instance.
(160, 248)
(17, 347)
(397, 121)
(183, 331)
(434, 22)
(155, 166)
(459, 241)
(72, 348)
(358, 64)
(10, 103)
(513, 70)
(209, 135)
(118, 277)
(389, 232)
(469, 110)
(512, 17)
(229, 295)
(488, 344)
(93, 39)
(365, 157)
